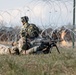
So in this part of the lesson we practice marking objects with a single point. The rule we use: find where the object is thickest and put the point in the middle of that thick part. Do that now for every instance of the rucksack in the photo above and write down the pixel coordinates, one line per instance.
(33, 31)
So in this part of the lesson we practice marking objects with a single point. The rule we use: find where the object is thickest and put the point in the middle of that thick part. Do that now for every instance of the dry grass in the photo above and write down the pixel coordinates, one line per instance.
(49, 64)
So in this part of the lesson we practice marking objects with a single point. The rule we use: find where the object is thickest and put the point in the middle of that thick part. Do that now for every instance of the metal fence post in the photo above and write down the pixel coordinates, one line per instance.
(73, 22)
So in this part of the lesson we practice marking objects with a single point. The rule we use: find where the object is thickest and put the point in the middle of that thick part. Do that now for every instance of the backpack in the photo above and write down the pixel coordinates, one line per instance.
(33, 31)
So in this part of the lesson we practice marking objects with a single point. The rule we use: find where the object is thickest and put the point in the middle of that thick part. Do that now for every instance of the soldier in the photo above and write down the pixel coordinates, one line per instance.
(28, 31)
(24, 33)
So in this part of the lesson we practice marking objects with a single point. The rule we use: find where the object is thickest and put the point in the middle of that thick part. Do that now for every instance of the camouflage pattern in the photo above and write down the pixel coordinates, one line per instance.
(28, 31)
(24, 30)
(33, 31)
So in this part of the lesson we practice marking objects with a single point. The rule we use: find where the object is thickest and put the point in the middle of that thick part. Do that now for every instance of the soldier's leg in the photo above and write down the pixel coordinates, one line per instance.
(24, 48)
(32, 50)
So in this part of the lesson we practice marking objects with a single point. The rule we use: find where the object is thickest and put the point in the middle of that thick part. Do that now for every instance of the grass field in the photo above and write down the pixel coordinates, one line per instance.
(48, 64)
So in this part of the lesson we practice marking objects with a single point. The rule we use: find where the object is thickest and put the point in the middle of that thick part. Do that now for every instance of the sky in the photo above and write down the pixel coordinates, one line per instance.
(12, 4)
(44, 13)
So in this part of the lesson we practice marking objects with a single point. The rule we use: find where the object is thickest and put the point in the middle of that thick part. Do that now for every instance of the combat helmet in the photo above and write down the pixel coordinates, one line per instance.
(24, 19)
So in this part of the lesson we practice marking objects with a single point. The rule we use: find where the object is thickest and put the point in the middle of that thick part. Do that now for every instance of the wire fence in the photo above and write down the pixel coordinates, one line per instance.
(43, 13)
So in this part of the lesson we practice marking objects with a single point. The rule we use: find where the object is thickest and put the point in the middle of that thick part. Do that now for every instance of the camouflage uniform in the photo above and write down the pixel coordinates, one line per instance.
(24, 35)
(24, 30)
(28, 31)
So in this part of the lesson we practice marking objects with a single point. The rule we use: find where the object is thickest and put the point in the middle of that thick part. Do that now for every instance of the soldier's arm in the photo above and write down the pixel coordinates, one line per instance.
(22, 32)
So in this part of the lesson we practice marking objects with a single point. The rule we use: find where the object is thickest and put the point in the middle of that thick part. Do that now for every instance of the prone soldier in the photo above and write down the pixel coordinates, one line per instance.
(44, 48)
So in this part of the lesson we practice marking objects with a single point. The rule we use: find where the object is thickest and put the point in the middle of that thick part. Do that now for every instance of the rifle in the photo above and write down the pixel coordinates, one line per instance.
(45, 47)
(53, 44)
